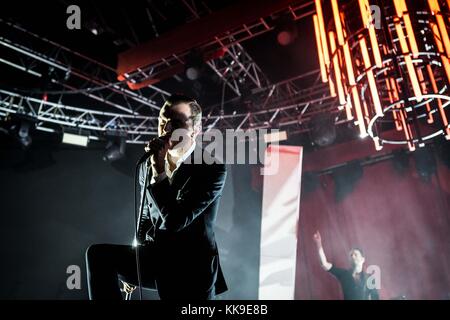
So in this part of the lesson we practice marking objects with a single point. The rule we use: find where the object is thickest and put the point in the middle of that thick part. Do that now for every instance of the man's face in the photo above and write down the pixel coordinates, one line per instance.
(173, 118)
(356, 258)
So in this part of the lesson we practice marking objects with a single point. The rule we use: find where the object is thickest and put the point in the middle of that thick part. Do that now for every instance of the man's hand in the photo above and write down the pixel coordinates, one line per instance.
(317, 239)
(158, 147)
(322, 257)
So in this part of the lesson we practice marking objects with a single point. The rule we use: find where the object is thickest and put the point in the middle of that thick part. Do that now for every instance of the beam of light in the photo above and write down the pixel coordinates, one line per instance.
(370, 77)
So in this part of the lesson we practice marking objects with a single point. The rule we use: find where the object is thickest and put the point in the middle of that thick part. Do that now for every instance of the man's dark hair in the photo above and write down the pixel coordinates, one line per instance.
(359, 249)
(196, 110)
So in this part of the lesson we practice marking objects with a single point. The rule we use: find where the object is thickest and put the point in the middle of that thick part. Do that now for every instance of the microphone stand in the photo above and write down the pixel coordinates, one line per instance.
(138, 221)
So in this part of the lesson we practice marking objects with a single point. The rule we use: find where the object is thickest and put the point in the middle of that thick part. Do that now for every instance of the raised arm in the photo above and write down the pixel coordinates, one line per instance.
(322, 257)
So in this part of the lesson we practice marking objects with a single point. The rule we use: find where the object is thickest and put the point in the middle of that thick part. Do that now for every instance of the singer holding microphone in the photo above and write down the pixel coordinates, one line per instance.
(178, 254)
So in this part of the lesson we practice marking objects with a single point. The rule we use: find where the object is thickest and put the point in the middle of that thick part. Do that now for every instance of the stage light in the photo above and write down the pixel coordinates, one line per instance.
(20, 128)
(194, 65)
(24, 134)
(323, 129)
(286, 30)
(115, 149)
(392, 77)
(75, 139)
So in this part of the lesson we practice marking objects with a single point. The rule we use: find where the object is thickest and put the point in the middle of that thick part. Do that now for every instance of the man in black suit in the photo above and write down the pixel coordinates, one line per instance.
(177, 247)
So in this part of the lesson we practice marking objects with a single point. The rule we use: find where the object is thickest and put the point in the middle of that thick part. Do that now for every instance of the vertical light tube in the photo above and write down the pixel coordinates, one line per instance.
(408, 60)
(441, 109)
(349, 65)
(395, 97)
(377, 143)
(348, 109)
(337, 22)
(359, 114)
(424, 90)
(323, 36)
(402, 12)
(323, 70)
(370, 77)
(366, 19)
(332, 87)
(434, 7)
(440, 47)
(337, 70)
(407, 130)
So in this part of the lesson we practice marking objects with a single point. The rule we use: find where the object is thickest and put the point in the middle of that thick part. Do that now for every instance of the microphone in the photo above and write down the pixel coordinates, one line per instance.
(148, 154)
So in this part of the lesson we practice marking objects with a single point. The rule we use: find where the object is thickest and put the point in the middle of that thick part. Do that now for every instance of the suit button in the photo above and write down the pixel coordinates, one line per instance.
(151, 205)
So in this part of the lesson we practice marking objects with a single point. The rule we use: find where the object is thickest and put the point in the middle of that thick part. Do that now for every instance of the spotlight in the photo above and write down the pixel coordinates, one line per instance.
(115, 149)
(287, 30)
(323, 129)
(24, 134)
(20, 127)
(194, 65)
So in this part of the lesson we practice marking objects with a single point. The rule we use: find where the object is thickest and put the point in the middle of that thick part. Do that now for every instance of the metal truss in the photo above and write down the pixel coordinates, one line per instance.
(137, 128)
(76, 72)
(236, 64)
(292, 114)
(283, 106)
(287, 105)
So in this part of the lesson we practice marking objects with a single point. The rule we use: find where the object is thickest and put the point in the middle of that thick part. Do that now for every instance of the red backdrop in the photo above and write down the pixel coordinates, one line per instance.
(401, 222)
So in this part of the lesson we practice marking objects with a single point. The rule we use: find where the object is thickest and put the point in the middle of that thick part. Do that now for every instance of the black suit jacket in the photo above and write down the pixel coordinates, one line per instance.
(183, 213)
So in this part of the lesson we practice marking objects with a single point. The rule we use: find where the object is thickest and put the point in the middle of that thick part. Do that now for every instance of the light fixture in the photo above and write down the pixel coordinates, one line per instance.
(23, 134)
(194, 65)
(286, 30)
(389, 72)
(75, 139)
(115, 149)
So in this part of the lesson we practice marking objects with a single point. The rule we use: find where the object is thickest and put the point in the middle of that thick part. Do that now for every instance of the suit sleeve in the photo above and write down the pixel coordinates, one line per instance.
(179, 212)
